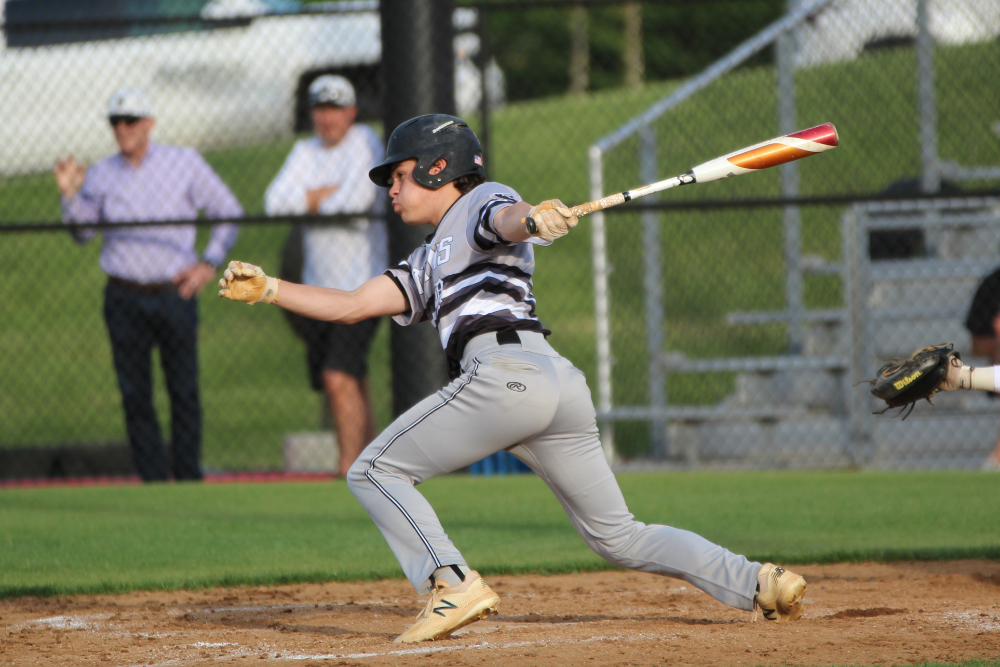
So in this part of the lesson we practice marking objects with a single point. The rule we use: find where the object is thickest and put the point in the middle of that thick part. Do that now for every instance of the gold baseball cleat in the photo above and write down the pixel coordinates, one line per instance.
(451, 608)
(781, 593)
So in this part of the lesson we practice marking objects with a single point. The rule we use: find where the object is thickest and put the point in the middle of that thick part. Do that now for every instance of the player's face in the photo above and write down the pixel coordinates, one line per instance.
(410, 200)
(332, 123)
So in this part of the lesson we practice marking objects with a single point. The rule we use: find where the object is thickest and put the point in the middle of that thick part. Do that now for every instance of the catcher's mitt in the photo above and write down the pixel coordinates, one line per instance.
(903, 383)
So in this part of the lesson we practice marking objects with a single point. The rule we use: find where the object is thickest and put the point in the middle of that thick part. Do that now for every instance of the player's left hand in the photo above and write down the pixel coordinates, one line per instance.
(553, 219)
(248, 283)
(957, 377)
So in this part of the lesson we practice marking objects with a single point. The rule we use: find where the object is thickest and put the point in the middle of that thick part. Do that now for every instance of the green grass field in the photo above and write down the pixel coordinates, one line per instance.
(114, 539)
(58, 385)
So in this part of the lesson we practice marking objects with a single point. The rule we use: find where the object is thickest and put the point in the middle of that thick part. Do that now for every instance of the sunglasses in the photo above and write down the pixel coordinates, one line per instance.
(128, 120)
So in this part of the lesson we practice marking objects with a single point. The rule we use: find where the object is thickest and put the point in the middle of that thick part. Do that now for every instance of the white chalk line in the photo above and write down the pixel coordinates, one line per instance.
(421, 650)
(467, 647)
(424, 649)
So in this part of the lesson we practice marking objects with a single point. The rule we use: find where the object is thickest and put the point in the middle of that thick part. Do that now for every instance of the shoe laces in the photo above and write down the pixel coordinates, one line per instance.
(429, 607)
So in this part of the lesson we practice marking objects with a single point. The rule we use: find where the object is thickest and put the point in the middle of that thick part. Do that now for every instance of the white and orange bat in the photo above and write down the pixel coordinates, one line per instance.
(760, 156)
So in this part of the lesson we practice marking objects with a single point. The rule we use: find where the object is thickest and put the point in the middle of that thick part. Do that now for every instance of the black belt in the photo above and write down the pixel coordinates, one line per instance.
(139, 287)
(509, 337)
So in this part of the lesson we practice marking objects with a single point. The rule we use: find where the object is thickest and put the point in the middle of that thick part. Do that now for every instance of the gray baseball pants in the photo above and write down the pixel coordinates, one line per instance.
(530, 401)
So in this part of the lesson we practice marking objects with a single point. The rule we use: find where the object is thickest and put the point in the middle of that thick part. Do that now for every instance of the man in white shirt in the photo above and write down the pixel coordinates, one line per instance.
(324, 175)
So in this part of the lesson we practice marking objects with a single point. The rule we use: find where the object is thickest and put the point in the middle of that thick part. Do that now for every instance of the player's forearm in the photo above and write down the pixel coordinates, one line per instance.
(333, 305)
(319, 303)
(508, 222)
(986, 378)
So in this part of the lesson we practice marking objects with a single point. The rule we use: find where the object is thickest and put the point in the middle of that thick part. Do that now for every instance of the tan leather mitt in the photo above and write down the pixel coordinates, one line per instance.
(551, 219)
(248, 283)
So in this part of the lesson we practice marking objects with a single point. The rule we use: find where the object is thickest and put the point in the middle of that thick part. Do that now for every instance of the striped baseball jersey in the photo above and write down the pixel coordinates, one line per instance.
(466, 279)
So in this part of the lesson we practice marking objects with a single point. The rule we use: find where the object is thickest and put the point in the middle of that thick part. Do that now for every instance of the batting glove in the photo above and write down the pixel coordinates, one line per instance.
(249, 283)
(552, 219)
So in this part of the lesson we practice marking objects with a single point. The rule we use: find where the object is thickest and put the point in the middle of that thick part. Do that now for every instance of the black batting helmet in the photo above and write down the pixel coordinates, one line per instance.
(428, 139)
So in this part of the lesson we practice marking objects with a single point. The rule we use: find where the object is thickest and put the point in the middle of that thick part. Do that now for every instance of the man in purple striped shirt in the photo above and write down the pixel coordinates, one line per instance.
(154, 273)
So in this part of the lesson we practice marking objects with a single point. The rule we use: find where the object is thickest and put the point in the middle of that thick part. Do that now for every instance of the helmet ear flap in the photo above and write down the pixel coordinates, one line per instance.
(422, 172)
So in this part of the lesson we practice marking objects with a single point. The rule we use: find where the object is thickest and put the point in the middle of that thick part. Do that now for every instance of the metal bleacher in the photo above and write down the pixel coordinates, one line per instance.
(803, 409)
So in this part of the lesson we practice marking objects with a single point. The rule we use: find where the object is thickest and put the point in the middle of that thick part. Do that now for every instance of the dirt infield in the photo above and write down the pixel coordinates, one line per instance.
(855, 614)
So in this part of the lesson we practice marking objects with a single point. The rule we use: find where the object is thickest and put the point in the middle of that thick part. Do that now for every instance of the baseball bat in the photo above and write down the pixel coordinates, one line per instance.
(760, 156)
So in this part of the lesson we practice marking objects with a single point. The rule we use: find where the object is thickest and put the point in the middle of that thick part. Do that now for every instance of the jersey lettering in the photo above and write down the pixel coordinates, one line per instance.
(442, 251)
(465, 278)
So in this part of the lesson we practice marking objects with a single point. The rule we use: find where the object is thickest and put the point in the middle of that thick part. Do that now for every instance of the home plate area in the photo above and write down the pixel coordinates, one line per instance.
(856, 614)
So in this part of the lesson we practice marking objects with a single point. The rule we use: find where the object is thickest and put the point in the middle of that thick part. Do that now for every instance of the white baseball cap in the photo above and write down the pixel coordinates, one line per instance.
(333, 90)
(130, 102)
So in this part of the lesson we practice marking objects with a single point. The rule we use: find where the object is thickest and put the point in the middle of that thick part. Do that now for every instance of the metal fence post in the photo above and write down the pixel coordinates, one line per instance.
(485, 103)
(787, 122)
(416, 60)
(601, 321)
(927, 101)
(855, 235)
(653, 288)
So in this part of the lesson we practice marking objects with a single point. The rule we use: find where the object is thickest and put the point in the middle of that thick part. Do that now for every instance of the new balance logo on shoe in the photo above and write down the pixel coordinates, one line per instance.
(446, 605)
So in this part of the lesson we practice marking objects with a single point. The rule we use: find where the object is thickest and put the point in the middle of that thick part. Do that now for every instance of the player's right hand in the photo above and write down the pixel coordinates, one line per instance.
(248, 283)
(552, 219)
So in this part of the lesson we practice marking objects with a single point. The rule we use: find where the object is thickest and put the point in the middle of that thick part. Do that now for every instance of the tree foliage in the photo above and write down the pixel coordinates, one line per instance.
(532, 46)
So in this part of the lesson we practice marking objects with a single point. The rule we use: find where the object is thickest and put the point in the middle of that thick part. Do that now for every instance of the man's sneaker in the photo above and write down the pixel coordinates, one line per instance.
(990, 464)
(451, 608)
(780, 594)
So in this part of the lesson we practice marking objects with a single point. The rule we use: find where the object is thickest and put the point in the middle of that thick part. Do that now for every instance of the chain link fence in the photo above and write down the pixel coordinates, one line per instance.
(719, 326)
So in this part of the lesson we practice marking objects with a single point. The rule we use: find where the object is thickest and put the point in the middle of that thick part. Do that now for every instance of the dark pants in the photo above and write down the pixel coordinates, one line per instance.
(137, 320)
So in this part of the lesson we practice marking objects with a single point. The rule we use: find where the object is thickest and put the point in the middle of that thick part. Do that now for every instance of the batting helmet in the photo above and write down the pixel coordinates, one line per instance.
(428, 139)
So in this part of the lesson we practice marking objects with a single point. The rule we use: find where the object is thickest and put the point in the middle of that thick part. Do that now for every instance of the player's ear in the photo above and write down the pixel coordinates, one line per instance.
(437, 167)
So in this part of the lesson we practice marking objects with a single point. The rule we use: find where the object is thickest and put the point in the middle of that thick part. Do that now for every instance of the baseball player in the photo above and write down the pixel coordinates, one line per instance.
(510, 389)
(903, 383)
(985, 378)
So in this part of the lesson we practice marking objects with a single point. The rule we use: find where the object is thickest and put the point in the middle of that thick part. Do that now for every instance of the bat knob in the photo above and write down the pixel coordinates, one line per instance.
(530, 224)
